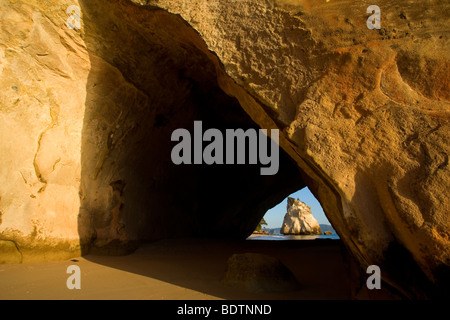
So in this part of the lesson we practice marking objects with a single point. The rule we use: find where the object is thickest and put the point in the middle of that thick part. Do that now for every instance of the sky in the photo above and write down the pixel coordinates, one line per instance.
(274, 217)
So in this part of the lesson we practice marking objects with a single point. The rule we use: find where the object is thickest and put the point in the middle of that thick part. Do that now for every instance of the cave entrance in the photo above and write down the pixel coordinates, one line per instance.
(270, 226)
(150, 75)
(143, 85)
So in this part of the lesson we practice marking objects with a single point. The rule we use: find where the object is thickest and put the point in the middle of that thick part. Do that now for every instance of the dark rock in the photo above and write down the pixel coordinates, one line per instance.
(255, 272)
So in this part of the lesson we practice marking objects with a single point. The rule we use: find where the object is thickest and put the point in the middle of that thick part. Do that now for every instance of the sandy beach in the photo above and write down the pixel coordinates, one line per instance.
(182, 269)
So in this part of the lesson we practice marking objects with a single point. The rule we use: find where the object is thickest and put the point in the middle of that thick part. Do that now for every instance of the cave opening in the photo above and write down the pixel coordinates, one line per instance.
(274, 217)
(143, 85)
(145, 82)
(147, 72)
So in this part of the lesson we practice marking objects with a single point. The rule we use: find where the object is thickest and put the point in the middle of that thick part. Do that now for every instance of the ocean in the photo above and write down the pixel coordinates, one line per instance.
(279, 236)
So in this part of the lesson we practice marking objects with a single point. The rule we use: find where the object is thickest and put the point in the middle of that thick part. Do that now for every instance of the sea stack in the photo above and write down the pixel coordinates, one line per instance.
(299, 219)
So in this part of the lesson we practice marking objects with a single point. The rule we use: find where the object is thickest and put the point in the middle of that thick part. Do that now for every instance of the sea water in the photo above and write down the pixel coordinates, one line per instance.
(279, 236)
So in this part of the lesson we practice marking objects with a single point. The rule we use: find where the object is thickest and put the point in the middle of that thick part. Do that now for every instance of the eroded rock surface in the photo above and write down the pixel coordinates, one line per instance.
(364, 117)
(299, 219)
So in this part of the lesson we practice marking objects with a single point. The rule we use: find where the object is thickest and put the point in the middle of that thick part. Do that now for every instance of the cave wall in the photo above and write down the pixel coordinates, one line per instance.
(43, 74)
(363, 115)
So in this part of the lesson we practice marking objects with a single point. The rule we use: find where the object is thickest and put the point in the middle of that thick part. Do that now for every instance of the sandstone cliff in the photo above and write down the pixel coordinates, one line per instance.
(363, 116)
(299, 219)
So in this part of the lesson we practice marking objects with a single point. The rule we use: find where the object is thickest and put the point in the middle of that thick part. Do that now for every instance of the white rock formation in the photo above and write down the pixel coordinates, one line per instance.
(299, 219)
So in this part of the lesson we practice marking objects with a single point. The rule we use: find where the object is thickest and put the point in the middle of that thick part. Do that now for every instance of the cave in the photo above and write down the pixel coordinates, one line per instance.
(131, 190)
(152, 73)
(362, 118)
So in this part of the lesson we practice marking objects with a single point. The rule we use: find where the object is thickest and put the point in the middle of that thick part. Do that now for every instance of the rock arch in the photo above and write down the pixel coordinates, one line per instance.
(360, 125)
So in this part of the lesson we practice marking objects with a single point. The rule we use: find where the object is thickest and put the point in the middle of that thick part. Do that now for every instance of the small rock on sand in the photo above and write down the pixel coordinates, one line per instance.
(255, 272)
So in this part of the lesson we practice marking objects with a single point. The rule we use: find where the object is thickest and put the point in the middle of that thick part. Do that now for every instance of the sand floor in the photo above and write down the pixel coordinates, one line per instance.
(183, 269)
